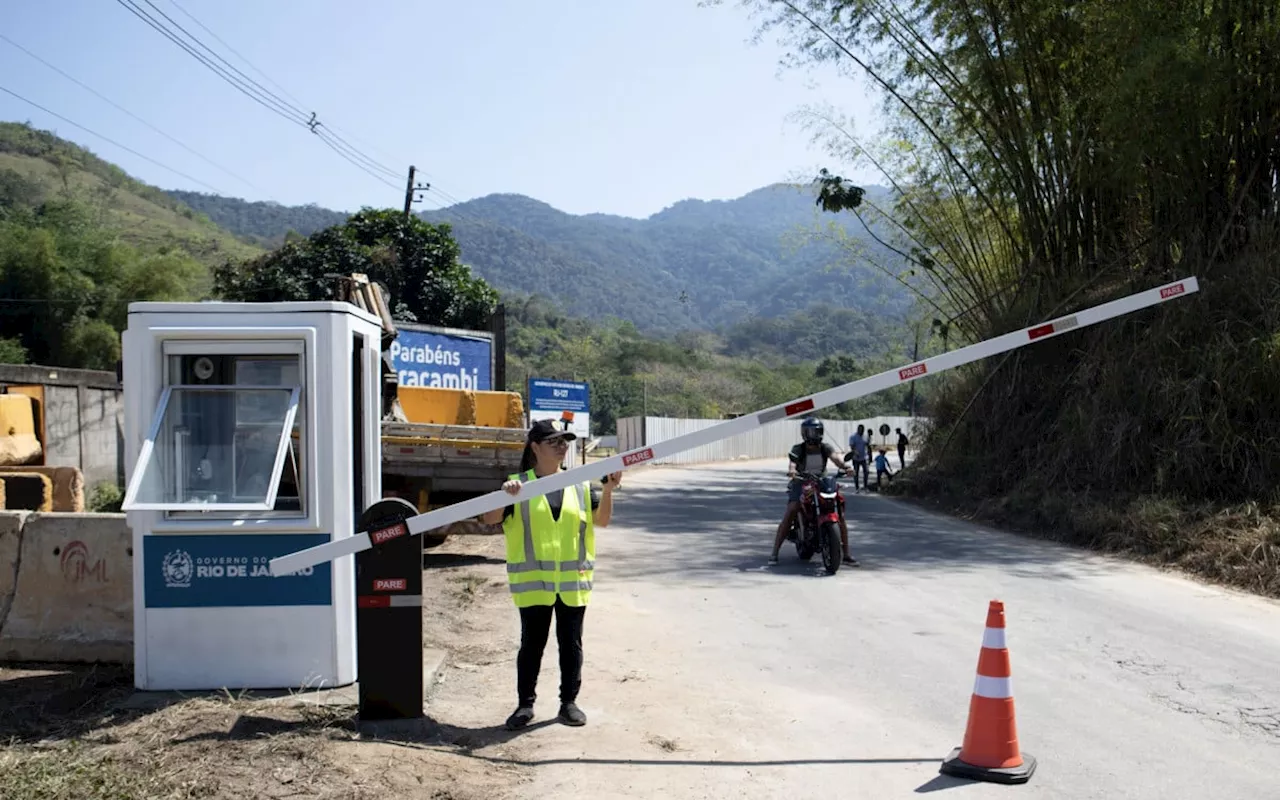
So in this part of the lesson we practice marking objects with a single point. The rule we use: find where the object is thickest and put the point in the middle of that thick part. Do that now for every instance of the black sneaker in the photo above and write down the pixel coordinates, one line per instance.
(520, 718)
(570, 714)
(851, 561)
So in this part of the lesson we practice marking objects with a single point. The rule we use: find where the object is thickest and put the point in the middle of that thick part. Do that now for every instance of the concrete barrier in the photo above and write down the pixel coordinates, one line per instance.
(73, 598)
(10, 544)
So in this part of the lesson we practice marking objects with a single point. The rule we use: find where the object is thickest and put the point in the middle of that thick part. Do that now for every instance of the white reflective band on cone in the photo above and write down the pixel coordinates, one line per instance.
(993, 638)
(993, 688)
(824, 399)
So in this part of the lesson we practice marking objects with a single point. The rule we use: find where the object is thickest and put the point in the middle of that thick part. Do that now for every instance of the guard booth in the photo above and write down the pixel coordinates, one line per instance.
(251, 431)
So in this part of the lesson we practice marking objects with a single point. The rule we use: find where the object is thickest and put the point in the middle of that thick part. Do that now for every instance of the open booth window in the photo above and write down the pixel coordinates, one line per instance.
(227, 438)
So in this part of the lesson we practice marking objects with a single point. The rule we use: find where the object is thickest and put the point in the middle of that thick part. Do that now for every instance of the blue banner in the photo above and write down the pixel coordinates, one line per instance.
(424, 358)
(549, 395)
(230, 569)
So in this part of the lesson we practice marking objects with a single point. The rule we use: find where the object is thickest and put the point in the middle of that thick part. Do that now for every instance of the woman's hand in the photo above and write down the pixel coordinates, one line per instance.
(511, 487)
(614, 479)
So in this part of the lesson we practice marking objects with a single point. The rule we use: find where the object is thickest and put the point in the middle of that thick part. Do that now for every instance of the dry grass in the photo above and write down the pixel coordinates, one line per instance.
(65, 731)
(1232, 545)
(1156, 435)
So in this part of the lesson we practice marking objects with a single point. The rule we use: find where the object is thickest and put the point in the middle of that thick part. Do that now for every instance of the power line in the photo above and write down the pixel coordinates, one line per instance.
(292, 111)
(234, 52)
(333, 131)
(121, 108)
(276, 98)
(257, 92)
(215, 189)
(295, 117)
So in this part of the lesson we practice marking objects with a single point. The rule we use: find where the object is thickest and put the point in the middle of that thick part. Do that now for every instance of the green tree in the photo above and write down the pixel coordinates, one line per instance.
(66, 281)
(1053, 155)
(417, 262)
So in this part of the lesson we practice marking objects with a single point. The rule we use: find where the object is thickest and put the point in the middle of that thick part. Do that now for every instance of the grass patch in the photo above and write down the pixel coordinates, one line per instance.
(467, 587)
(78, 771)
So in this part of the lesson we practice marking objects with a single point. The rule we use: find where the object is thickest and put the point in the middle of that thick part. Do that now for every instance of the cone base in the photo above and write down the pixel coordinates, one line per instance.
(953, 766)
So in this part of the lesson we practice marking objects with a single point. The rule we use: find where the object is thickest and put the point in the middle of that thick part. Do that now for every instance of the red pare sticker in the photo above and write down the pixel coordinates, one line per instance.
(798, 406)
(914, 371)
(1041, 330)
(390, 584)
(387, 534)
(637, 458)
(1172, 291)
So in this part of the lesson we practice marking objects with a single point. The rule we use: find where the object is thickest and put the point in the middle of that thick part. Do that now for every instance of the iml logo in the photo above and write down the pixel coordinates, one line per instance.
(914, 371)
(1172, 291)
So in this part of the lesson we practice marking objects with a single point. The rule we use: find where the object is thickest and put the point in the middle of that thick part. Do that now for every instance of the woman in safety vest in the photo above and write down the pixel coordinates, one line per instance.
(550, 562)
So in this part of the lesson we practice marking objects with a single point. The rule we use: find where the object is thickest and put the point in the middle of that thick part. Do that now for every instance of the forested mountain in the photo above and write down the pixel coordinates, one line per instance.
(36, 166)
(695, 265)
(80, 240)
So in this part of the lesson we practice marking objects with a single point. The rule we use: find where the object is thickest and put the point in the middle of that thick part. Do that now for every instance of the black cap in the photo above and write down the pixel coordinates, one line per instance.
(545, 429)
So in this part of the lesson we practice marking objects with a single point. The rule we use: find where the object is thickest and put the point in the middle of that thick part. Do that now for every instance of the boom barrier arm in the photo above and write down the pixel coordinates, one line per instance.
(930, 366)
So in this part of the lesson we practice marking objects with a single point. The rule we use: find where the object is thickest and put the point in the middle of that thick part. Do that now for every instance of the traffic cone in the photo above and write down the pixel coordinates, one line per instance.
(990, 749)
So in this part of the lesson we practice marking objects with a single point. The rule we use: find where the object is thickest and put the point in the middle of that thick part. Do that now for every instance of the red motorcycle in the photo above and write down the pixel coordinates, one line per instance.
(816, 528)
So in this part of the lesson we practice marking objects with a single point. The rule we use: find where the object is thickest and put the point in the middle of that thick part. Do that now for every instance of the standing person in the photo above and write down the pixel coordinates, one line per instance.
(551, 551)
(858, 457)
(902, 449)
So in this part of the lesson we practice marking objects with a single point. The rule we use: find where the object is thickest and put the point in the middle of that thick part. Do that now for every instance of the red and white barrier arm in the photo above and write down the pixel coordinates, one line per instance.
(798, 407)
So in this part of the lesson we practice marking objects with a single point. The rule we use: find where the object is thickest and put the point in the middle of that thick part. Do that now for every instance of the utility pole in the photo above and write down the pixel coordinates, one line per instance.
(409, 190)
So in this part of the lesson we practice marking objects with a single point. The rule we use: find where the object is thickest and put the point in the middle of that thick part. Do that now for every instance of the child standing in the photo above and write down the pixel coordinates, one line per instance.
(882, 468)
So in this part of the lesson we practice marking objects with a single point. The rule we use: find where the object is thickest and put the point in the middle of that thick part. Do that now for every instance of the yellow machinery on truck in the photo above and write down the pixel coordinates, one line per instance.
(440, 445)
(27, 481)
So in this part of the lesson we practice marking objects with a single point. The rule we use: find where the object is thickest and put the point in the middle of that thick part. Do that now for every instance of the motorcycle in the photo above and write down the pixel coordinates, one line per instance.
(816, 528)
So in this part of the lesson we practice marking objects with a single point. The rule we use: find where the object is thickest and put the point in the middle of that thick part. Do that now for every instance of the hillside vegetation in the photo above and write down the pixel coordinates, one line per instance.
(698, 265)
(1056, 155)
(80, 239)
(36, 165)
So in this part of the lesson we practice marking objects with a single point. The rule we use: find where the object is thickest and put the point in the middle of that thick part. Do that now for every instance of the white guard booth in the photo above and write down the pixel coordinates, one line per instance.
(251, 431)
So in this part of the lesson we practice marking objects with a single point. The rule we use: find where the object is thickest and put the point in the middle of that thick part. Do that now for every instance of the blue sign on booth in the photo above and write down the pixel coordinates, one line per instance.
(550, 395)
(449, 360)
(220, 570)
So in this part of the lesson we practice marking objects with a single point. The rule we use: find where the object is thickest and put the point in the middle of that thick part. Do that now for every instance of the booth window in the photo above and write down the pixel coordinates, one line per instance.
(226, 437)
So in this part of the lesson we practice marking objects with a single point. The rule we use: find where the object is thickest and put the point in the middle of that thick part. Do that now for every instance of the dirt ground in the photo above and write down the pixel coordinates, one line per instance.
(67, 732)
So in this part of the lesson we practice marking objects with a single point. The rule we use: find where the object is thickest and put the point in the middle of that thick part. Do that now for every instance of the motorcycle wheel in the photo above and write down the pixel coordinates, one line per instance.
(832, 551)
(804, 551)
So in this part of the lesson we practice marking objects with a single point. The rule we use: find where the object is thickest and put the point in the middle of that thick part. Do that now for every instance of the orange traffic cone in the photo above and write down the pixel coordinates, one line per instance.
(990, 749)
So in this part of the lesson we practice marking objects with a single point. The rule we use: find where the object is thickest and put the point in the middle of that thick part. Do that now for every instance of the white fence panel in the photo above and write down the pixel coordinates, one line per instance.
(768, 441)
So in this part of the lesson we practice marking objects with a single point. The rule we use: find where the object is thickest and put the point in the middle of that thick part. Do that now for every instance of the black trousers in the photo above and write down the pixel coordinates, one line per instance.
(535, 625)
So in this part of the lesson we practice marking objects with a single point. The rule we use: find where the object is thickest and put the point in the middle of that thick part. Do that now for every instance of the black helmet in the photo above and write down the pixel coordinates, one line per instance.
(811, 430)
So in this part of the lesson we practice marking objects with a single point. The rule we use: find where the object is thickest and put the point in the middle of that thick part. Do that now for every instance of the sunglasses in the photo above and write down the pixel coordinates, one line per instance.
(559, 442)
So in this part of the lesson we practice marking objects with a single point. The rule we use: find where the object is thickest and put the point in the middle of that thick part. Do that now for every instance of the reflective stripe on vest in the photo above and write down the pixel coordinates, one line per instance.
(531, 564)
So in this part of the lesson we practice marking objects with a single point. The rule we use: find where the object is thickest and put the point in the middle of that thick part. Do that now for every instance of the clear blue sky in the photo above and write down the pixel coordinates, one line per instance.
(618, 106)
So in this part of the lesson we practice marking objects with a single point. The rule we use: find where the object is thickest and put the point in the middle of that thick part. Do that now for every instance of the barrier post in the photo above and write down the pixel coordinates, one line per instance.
(389, 615)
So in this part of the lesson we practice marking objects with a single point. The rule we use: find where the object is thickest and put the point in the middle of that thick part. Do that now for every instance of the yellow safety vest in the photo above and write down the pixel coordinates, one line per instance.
(560, 560)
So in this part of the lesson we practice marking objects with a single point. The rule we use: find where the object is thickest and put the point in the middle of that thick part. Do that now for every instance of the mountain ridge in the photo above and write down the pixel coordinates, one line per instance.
(696, 264)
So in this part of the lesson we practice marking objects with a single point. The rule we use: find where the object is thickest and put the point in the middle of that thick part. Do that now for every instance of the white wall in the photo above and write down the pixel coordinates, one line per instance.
(769, 441)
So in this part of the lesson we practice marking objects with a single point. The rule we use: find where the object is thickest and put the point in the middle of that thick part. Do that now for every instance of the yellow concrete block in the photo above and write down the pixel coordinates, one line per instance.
(27, 491)
(18, 441)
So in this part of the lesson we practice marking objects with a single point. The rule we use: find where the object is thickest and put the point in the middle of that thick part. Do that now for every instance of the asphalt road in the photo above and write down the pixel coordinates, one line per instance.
(709, 674)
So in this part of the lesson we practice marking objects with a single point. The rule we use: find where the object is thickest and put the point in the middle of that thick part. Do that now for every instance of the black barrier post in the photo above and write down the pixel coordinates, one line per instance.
(389, 614)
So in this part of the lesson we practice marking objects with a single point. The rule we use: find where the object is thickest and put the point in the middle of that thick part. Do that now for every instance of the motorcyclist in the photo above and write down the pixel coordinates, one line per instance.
(810, 455)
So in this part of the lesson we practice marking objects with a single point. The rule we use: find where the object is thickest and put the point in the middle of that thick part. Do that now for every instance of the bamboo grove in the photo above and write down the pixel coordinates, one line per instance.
(1052, 154)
